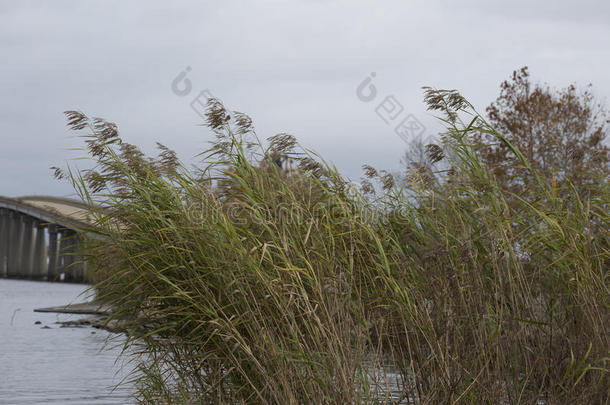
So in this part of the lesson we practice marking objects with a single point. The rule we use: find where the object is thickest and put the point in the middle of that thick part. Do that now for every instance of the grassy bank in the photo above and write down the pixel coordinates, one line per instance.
(247, 283)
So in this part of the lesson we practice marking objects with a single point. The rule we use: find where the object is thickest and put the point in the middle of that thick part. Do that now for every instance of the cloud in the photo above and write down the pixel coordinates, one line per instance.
(292, 65)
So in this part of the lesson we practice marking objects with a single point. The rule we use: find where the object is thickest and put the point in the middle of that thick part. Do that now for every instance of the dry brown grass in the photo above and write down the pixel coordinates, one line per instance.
(250, 284)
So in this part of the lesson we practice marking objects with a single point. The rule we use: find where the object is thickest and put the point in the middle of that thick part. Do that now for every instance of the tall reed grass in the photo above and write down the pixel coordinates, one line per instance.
(244, 282)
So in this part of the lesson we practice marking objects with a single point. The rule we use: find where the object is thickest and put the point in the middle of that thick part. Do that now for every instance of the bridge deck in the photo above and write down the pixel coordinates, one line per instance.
(71, 209)
(58, 210)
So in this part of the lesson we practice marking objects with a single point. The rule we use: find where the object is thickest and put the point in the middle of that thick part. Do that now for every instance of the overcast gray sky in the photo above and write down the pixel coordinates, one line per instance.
(293, 66)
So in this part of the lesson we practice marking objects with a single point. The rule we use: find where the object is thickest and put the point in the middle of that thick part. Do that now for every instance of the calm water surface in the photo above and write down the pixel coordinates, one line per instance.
(57, 365)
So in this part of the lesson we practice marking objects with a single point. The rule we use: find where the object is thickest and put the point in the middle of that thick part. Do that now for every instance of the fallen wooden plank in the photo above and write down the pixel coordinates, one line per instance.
(85, 308)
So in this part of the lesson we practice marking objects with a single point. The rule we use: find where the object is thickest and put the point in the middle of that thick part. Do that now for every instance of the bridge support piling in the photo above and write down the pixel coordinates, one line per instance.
(66, 255)
(27, 253)
(40, 252)
(10, 243)
(4, 237)
(53, 270)
(10, 246)
(15, 251)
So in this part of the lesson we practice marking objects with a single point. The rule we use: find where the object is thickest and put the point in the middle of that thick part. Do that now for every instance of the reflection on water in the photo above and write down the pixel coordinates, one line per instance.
(57, 365)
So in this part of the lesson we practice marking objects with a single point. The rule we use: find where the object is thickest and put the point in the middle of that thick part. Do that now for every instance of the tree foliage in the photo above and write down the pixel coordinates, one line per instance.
(560, 132)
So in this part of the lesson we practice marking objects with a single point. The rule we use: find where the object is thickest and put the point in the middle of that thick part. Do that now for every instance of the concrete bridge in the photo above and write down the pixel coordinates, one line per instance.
(39, 238)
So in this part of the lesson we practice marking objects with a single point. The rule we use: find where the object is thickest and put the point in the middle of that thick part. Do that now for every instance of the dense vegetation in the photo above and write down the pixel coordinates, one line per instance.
(245, 282)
